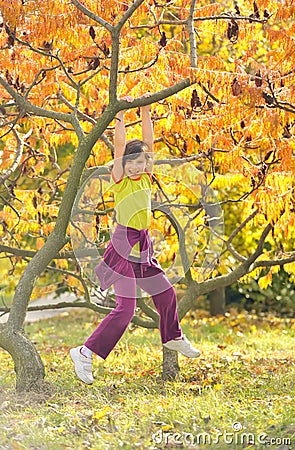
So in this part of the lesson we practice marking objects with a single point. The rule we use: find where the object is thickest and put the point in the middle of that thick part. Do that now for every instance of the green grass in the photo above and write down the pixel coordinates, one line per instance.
(245, 376)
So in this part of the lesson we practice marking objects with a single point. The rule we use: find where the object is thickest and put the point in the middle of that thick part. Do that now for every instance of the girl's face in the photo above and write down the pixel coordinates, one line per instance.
(135, 167)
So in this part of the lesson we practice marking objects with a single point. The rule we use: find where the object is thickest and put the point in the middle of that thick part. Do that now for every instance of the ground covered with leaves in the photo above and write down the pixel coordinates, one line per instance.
(239, 394)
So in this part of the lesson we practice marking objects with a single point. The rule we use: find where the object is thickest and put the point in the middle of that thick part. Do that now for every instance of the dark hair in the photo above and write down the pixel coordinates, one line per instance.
(133, 149)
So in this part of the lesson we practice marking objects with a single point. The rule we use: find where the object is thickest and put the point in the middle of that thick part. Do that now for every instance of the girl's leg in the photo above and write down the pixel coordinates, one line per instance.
(107, 334)
(164, 298)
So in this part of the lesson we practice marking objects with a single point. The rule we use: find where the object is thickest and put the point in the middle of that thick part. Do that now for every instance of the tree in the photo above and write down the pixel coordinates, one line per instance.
(222, 100)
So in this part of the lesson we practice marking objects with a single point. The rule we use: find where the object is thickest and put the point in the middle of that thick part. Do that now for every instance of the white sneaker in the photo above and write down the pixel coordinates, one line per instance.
(83, 365)
(183, 346)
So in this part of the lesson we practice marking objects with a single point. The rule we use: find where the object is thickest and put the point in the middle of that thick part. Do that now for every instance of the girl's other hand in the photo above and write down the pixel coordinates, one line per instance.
(128, 99)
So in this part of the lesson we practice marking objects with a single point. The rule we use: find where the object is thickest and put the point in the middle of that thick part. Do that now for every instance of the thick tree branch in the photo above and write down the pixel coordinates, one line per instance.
(116, 49)
(114, 65)
(83, 304)
(158, 96)
(165, 208)
(275, 262)
(27, 107)
(87, 118)
(116, 106)
(195, 289)
(30, 253)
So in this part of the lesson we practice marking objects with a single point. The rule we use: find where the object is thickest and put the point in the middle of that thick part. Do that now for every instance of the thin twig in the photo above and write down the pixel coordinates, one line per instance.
(222, 16)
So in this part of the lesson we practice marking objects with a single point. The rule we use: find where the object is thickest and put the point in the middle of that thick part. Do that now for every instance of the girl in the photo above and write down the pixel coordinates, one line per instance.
(128, 260)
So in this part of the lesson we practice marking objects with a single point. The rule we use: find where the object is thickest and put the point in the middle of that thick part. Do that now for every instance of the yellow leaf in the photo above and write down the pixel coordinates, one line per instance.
(253, 329)
(290, 268)
(97, 415)
(265, 281)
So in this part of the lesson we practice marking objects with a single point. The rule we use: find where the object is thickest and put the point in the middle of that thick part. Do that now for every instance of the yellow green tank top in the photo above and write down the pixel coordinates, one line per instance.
(132, 199)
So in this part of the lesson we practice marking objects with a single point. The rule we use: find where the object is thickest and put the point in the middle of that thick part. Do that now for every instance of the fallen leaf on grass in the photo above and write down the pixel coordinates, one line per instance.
(102, 413)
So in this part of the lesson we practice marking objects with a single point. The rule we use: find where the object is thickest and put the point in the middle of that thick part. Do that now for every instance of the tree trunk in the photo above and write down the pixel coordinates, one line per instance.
(217, 301)
(170, 364)
(28, 366)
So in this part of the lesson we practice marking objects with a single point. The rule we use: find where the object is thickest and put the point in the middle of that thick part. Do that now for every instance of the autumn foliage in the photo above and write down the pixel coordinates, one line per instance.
(236, 118)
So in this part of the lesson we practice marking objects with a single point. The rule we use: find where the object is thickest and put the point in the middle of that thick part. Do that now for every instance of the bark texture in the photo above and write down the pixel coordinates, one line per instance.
(217, 301)
(170, 364)
(28, 365)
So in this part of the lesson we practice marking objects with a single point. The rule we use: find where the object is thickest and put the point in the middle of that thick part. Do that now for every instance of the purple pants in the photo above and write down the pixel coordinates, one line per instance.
(107, 334)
